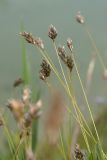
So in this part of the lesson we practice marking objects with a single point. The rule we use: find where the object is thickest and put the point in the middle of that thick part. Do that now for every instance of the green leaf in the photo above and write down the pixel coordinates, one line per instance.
(25, 64)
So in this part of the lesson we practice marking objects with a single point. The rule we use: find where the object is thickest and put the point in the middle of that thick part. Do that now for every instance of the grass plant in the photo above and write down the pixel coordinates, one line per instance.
(60, 138)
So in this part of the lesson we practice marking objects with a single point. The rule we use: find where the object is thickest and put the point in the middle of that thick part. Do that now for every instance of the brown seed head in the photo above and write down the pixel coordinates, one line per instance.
(26, 95)
(28, 37)
(35, 109)
(45, 70)
(61, 49)
(68, 61)
(27, 120)
(17, 108)
(80, 19)
(33, 113)
(52, 33)
(35, 41)
(39, 43)
(70, 44)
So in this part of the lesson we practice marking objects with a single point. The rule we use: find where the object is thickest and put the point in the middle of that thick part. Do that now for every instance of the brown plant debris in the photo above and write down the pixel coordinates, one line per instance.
(39, 43)
(52, 33)
(68, 61)
(45, 70)
(33, 113)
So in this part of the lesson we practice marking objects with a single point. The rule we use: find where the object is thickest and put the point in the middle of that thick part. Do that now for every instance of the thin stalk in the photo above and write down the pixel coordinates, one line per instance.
(84, 120)
(17, 149)
(94, 46)
(83, 132)
(81, 113)
(68, 88)
(62, 70)
(43, 54)
(8, 134)
(63, 150)
(85, 98)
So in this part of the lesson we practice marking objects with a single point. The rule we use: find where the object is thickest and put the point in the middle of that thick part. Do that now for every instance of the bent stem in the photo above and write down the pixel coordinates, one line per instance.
(86, 98)
(95, 47)
(84, 134)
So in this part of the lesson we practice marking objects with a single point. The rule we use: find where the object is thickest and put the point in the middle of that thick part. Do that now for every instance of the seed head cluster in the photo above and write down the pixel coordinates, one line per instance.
(68, 61)
(23, 110)
(70, 44)
(52, 33)
(28, 37)
(35, 41)
(45, 70)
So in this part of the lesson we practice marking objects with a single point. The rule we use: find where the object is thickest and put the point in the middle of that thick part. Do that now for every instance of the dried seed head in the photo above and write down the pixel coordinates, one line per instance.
(41, 76)
(68, 61)
(70, 44)
(35, 41)
(54, 118)
(80, 19)
(39, 43)
(78, 154)
(33, 113)
(61, 49)
(45, 70)
(52, 33)
(26, 95)
(28, 37)
(27, 120)
(18, 82)
(61, 53)
(35, 108)
(17, 108)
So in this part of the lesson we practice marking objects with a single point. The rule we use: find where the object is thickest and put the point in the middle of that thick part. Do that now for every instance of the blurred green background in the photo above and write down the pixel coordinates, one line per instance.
(37, 15)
